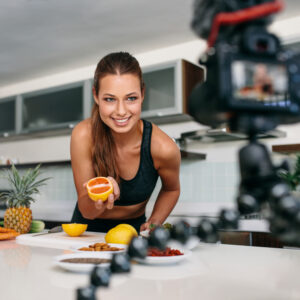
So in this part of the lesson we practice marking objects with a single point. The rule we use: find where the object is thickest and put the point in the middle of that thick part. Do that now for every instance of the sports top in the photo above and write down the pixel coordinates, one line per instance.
(140, 188)
(133, 191)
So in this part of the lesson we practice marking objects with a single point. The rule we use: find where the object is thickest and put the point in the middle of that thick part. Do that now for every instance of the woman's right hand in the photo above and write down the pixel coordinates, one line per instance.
(109, 203)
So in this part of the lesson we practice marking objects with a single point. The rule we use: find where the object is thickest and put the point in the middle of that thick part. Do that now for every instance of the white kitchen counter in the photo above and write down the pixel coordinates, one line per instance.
(211, 272)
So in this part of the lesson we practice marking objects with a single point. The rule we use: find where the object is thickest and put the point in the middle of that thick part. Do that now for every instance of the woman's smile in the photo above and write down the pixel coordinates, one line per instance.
(121, 122)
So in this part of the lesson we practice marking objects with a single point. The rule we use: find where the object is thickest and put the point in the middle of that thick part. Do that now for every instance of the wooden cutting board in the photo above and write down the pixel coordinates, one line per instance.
(60, 240)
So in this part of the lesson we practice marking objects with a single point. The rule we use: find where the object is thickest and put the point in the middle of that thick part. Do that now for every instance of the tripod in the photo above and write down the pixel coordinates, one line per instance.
(261, 189)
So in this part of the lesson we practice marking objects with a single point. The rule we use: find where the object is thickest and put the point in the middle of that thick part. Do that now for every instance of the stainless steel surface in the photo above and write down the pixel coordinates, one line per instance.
(169, 119)
(192, 155)
(223, 134)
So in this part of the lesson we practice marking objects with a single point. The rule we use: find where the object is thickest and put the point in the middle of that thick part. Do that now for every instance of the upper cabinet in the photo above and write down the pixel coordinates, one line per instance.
(161, 91)
(7, 115)
(58, 109)
(168, 86)
(45, 112)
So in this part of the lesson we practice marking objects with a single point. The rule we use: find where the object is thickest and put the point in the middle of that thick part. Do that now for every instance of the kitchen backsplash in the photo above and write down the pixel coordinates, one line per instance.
(57, 198)
(209, 181)
(201, 182)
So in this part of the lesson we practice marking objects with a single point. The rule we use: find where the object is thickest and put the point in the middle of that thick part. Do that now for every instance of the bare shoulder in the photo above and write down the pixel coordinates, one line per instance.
(81, 139)
(83, 131)
(163, 148)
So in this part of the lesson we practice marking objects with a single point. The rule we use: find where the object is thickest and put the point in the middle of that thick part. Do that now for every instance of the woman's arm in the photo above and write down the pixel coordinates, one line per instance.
(166, 157)
(81, 159)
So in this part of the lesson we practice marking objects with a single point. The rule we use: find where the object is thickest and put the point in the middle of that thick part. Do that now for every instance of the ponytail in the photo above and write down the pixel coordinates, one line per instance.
(104, 150)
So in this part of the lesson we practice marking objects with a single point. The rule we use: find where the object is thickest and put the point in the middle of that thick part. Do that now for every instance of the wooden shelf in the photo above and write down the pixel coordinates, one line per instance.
(286, 149)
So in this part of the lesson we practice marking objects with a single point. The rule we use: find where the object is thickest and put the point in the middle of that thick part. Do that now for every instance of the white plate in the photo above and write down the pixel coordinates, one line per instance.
(144, 233)
(164, 260)
(192, 243)
(76, 247)
(78, 267)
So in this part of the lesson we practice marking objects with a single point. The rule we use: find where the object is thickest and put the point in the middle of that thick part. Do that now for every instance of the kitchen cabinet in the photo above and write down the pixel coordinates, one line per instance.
(7, 115)
(47, 112)
(246, 238)
(168, 86)
(56, 108)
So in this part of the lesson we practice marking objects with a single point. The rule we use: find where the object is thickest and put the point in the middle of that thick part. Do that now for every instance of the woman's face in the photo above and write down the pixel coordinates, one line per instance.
(120, 101)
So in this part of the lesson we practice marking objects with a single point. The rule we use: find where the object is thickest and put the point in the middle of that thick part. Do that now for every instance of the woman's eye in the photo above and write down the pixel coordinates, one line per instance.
(132, 98)
(108, 99)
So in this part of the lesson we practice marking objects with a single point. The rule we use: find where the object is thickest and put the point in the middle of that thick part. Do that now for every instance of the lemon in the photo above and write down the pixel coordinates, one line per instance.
(120, 235)
(74, 229)
(129, 227)
(99, 188)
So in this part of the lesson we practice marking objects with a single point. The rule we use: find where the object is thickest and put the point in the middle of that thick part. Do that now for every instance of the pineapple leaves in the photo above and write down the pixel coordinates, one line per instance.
(22, 187)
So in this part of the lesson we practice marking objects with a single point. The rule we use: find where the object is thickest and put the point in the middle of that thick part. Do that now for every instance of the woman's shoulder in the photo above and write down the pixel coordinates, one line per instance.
(162, 146)
(83, 130)
(81, 146)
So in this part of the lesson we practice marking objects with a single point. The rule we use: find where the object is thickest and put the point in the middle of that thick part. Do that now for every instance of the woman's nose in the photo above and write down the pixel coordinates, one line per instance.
(121, 108)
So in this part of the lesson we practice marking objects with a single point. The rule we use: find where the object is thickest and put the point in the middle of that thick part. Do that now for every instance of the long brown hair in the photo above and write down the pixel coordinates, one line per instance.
(104, 149)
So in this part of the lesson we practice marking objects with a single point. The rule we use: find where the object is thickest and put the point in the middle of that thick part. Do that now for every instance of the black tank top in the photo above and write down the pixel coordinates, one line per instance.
(140, 188)
(133, 191)
(136, 190)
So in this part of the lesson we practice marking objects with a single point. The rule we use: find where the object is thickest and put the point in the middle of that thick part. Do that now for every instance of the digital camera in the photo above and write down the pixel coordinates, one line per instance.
(248, 70)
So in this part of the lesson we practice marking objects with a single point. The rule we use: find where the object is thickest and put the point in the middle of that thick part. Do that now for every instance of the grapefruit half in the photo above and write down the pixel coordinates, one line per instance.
(99, 188)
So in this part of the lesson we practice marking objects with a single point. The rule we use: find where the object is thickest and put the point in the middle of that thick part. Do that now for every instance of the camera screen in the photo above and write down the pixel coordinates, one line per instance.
(260, 82)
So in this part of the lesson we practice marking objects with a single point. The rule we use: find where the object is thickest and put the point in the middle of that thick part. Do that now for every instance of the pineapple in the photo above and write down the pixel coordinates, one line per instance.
(18, 215)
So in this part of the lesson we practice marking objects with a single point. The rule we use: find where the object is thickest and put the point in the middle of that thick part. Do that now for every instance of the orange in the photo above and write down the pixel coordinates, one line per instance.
(99, 188)
(74, 229)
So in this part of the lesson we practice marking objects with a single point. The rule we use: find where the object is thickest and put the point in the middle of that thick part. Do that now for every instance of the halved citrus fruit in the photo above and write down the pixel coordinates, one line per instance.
(74, 229)
(99, 188)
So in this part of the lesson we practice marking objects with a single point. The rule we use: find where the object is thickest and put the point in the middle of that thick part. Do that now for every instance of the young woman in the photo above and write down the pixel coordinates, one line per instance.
(133, 153)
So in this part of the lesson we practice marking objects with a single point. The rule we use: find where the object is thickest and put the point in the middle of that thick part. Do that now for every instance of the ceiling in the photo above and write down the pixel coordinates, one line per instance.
(42, 37)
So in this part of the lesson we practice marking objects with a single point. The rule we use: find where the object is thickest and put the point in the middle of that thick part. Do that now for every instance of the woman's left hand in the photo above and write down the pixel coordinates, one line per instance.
(146, 225)
(109, 204)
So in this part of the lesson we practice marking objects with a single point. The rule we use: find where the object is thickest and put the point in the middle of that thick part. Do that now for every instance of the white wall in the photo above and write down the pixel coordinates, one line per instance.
(37, 150)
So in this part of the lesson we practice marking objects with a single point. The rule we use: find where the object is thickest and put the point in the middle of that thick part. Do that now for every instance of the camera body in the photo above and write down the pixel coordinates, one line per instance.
(239, 90)
(248, 73)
